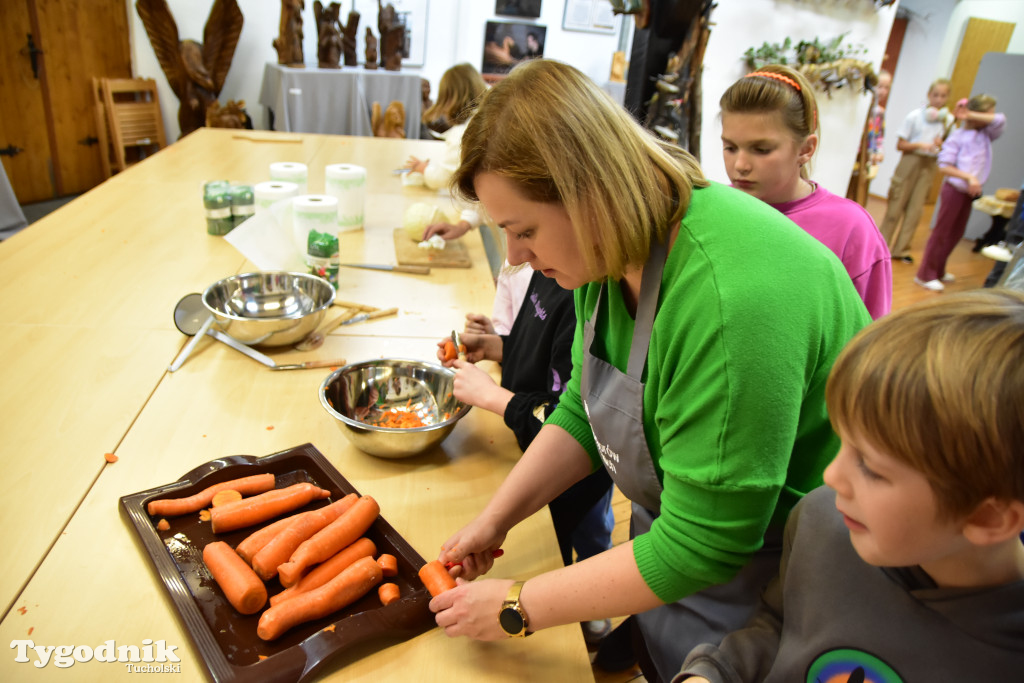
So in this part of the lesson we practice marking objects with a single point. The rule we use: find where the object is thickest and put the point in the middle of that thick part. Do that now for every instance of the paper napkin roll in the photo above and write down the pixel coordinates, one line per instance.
(315, 226)
(347, 183)
(270, 191)
(292, 171)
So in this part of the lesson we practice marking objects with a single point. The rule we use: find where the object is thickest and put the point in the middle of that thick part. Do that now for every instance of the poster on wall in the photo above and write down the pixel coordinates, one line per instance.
(518, 8)
(595, 16)
(507, 43)
(413, 13)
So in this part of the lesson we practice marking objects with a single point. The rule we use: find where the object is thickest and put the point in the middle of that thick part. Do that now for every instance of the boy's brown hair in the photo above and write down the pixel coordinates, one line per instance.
(939, 386)
(940, 81)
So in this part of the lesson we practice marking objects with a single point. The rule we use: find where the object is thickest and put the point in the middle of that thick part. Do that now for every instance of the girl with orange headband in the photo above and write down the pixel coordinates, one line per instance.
(769, 135)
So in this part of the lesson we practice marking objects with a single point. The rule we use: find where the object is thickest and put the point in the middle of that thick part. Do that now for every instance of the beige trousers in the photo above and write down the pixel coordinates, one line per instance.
(908, 190)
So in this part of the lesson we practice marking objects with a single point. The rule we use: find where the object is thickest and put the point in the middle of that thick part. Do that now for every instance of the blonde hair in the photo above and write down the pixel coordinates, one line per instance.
(981, 102)
(939, 386)
(794, 100)
(457, 94)
(560, 139)
(940, 81)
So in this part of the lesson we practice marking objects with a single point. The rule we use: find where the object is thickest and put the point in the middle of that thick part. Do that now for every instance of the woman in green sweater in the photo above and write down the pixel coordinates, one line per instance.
(707, 324)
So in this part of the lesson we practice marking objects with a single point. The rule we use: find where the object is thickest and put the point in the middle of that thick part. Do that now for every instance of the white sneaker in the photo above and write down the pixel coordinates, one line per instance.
(933, 285)
(997, 252)
(949, 277)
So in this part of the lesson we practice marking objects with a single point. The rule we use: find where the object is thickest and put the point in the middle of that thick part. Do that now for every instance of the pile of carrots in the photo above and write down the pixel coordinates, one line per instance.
(321, 557)
(399, 419)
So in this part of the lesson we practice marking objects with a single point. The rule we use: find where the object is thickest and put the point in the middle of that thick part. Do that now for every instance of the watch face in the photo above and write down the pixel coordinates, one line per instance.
(511, 621)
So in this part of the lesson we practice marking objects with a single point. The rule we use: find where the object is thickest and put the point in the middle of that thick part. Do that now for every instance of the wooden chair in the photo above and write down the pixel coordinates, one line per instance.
(129, 121)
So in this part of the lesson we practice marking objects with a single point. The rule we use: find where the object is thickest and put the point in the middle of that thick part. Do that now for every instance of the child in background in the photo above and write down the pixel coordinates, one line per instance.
(769, 124)
(536, 358)
(966, 161)
(457, 95)
(876, 122)
(919, 573)
(919, 139)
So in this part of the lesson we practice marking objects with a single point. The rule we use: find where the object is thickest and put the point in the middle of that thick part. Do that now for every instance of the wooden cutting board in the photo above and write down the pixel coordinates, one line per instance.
(408, 253)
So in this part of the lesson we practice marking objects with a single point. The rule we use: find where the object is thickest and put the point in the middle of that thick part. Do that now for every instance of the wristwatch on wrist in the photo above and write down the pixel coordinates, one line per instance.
(512, 617)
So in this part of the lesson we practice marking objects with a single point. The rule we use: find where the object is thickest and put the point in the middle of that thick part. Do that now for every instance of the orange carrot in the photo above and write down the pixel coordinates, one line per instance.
(329, 540)
(450, 352)
(388, 564)
(281, 547)
(226, 496)
(388, 593)
(163, 525)
(436, 578)
(256, 509)
(241, 586)
(324, 572)
(172, 507)
(204, 515)
(255, 541)
(342, 590)
(399, 419)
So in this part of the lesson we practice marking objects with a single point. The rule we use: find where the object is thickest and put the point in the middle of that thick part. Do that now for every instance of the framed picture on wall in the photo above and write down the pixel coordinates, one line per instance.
(594, 16)
(507, 43)
(517, 8)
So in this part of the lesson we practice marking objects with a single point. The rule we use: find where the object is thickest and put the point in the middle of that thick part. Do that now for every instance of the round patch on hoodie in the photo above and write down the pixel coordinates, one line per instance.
(850, 666)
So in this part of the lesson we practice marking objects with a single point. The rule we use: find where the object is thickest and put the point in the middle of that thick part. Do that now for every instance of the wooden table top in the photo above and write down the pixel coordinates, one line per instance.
(85, 341)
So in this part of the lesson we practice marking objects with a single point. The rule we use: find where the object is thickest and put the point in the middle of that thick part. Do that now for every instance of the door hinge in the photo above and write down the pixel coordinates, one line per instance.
(10, 151)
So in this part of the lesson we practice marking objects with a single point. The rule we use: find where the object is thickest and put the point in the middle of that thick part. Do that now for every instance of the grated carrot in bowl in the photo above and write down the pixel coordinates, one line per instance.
(398, 419)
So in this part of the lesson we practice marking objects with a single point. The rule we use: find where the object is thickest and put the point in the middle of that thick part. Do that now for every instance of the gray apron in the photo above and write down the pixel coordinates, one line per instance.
(614, 405)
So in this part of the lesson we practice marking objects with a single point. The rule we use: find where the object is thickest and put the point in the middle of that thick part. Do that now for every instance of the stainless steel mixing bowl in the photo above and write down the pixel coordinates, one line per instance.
(359, 394)
(270, 309)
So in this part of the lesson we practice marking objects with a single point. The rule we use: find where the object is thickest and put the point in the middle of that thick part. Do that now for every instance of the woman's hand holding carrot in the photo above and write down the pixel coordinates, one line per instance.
(478, 347)
(461, 611)
(471, 550)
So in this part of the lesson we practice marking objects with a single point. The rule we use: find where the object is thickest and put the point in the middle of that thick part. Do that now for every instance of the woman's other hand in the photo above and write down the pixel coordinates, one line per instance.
(447, 231)
(471, 609)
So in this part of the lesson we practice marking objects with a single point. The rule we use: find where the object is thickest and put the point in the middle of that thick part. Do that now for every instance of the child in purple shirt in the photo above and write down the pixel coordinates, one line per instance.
(966, 160)
(769, 135)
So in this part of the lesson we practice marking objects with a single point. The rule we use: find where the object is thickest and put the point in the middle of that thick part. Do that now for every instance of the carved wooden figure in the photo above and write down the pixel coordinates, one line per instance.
(195, 71)
(289, 41)
(348, 41)
(391, 124)
(231, 115)
(371, 49)
(328, 35)
(392, 37)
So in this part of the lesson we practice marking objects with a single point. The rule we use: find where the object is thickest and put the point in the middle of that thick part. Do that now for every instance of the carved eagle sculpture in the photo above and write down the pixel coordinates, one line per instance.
(195, 72)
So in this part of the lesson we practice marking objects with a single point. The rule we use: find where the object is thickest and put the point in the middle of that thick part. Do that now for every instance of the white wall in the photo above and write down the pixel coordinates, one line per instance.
(455, 33)
(740, 24)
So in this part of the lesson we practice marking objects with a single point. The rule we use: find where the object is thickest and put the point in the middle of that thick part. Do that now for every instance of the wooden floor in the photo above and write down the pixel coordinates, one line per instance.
(970, 270)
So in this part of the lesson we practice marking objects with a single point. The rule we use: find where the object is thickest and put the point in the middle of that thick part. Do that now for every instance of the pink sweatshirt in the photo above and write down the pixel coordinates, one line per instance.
(849, 231)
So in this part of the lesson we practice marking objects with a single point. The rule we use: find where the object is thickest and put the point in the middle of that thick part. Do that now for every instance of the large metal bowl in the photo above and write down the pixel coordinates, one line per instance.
(271, 309)
(360, 393)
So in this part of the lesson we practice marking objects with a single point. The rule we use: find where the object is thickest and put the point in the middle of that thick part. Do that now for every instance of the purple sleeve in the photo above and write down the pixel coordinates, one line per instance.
(996, 128)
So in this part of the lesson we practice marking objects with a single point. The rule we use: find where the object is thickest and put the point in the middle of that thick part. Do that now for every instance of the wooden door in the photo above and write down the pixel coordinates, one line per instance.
(48, 111)
(24, 143)
(84, 38)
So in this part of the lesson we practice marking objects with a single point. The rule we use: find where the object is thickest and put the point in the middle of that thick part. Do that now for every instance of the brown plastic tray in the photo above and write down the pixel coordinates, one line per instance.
(227, 640)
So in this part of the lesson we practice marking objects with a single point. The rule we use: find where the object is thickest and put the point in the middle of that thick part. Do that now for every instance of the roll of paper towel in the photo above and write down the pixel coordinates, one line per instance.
(315, 226)
(292, 171)
(347, 183)
(270, 191)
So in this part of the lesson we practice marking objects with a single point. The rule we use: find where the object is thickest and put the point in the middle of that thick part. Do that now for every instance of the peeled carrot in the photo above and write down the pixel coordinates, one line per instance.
(324, 572)
(256, 509)
(255, 541)
(329, 540)
(281, 547)
(388, 593)
(226, 496)
(241, 586)
(388, 564)
(172, 507)
(344, 589)
(436, 578)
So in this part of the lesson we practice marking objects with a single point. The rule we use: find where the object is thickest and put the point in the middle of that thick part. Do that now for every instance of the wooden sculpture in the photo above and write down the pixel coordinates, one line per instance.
(328, 35)
(289, 42)
(231, 115)
(392, 37)
(348, 41)
(195, 71)
(391, 124)
(371, 49)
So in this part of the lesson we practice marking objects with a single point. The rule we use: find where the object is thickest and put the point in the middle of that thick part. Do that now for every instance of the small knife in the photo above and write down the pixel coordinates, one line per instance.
(414, 270)
(369, 315)
(267, 360)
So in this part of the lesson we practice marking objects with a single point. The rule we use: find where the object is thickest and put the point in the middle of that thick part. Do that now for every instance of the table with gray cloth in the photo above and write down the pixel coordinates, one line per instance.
(337, 101)
(12, 218)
